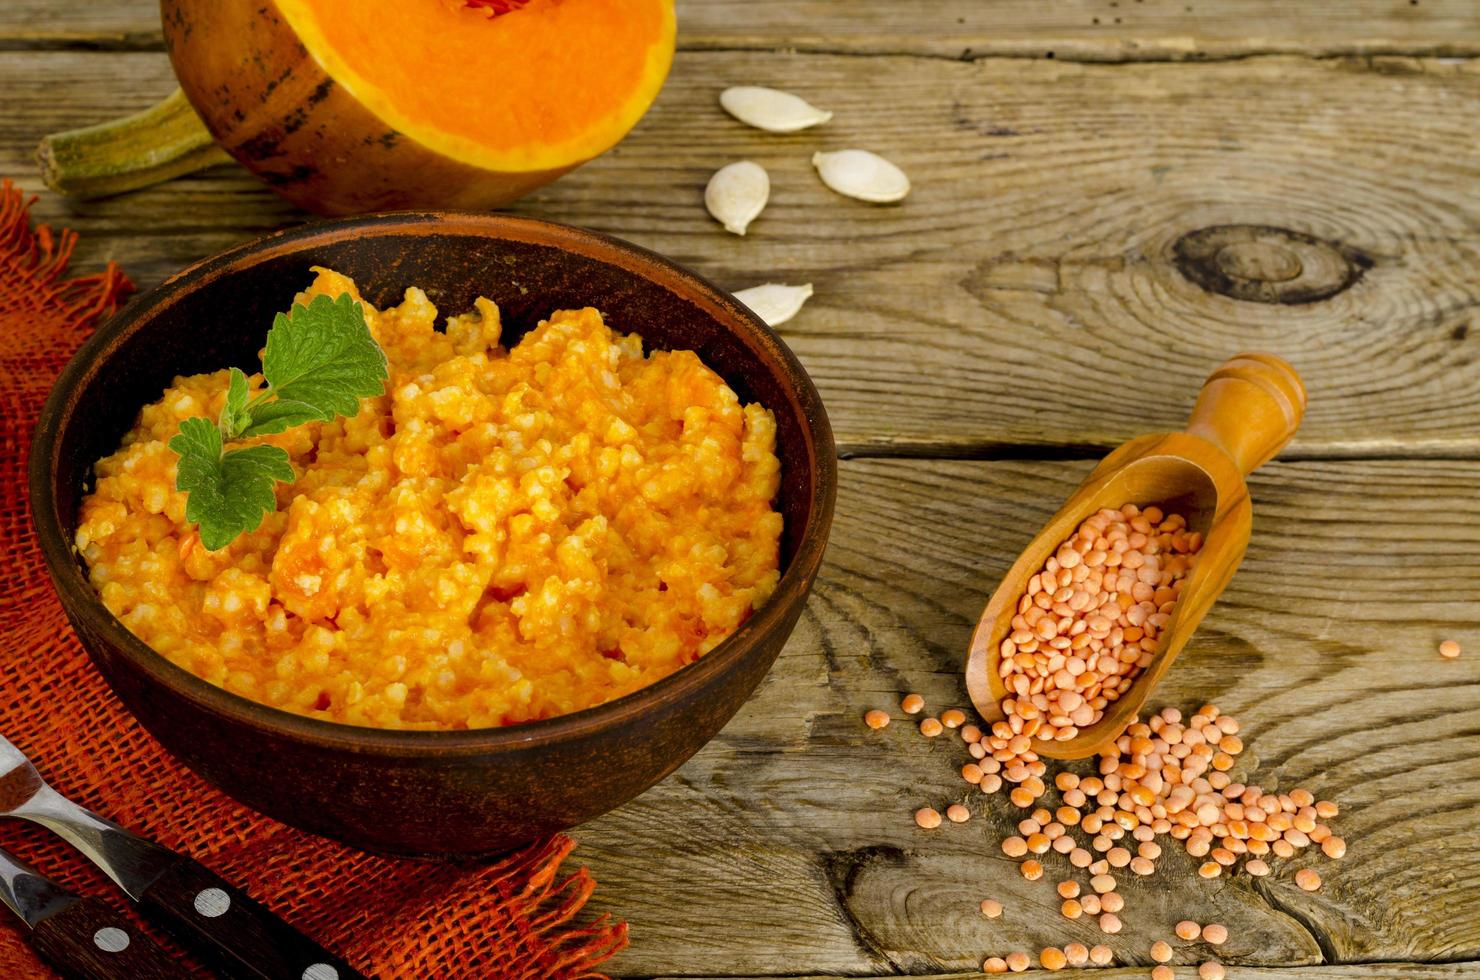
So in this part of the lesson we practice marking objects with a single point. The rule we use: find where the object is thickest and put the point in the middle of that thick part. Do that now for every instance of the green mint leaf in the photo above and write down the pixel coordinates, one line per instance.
(323, 357)
(277, 415)
(234, 414)
(229, 492)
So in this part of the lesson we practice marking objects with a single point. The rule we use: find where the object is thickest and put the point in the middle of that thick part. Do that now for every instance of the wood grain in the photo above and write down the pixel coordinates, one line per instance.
(1366, 971)
(1033, 275)
(1092, 30)
(787, 843)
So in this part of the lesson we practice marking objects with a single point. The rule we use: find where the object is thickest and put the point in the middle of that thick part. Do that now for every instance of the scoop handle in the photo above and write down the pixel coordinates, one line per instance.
(1249, 408)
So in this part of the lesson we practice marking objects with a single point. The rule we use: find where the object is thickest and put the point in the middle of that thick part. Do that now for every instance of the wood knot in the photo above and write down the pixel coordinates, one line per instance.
(1264, 264)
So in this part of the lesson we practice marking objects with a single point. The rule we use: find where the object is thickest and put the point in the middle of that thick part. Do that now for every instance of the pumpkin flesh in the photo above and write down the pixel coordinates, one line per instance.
(541, 87)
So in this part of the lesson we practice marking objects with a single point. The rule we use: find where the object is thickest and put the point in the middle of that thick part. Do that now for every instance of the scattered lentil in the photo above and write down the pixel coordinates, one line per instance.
(953, 717)
(1161, 951)
(956, 813)
(1308, 879)
(1101, 955)
(927, 817)
(931, 727)
(1215, 933)
(1449, 649)
(876, 718)
(1188, 930)
(1077, 954)
(1110, 923)
(1053, 958)
(991, 908)
(1017, 962)
(912, 704)
(1163, 972)
(1068, 889)
(1212, 970)
(994, 964)
(1031, 869)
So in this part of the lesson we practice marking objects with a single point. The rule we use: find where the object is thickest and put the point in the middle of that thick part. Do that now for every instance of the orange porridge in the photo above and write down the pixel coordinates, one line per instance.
(506, 535)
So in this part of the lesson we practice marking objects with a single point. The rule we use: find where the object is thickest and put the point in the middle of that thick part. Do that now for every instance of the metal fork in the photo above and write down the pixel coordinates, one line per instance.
(234, 933)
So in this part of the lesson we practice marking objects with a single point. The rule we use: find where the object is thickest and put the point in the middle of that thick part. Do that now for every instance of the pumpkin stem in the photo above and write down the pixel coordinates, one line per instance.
(160, 143)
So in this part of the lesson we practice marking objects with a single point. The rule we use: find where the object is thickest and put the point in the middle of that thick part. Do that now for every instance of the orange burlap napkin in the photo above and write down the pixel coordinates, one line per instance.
(511, 918)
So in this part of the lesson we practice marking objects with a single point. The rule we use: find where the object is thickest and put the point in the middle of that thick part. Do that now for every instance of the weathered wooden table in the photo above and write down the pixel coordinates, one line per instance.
(1024, 310)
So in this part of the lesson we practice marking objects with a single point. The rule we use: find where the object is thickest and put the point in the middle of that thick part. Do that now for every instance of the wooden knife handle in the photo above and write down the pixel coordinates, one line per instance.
(90, 940)
(236, 935)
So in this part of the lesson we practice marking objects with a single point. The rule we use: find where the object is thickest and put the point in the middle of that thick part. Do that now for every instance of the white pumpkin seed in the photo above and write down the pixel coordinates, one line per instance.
(775, 302)
(737, 193)
(861, 174)
(771, 109)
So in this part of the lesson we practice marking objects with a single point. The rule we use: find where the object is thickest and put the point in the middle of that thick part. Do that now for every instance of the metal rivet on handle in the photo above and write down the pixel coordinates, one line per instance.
(212, 902)
(321, 971)
(110, 939)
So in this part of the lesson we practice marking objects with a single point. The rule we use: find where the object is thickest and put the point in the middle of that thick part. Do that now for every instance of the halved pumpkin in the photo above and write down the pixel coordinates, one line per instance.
(346, 106)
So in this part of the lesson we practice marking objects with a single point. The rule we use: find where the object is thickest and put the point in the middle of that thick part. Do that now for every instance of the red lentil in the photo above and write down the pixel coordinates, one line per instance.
(1449, 649)
(876, 718)
(1091, 619)
(991, 908)
(1101, 955)
(931, 727)
(956, 813)
(912, 704)
(927, 817)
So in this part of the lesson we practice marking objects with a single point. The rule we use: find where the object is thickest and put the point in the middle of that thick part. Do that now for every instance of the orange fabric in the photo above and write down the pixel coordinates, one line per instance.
(514, 918)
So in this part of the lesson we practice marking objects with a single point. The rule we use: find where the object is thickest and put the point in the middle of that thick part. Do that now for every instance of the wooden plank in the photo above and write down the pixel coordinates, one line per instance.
(787, 846)
(1028, 294)
(1093, 30)
(1366, 971)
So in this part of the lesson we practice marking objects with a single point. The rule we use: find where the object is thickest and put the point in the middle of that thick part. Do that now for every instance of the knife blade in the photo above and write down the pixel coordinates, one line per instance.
(82, 937)
(234, 933)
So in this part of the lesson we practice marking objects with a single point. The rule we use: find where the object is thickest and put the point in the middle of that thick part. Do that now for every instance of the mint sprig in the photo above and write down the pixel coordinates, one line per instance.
(320, 360)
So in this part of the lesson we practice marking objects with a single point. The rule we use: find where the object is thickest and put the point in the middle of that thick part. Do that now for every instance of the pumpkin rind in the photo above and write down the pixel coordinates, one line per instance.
(270, 104)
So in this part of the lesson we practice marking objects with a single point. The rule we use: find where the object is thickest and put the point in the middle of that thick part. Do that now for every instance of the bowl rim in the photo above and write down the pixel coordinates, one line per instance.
(82, 601)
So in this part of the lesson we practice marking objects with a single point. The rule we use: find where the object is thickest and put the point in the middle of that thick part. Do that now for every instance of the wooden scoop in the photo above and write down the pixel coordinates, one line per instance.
(1246, 412)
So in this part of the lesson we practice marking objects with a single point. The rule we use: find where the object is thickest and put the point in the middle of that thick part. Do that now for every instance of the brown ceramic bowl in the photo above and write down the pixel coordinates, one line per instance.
(429, 793)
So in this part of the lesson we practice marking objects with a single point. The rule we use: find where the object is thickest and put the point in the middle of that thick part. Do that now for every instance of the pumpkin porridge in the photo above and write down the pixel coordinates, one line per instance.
(505, 535)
